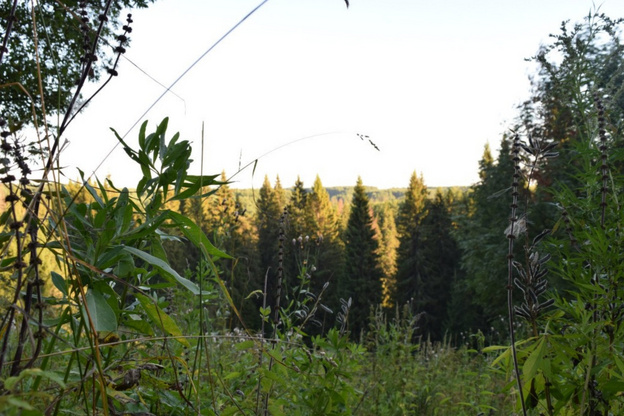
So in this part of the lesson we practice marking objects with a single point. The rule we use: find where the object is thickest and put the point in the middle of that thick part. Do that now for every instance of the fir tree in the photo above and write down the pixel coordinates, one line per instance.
(220, 212)
(388, 253)
(297, 236)
(297, 209)
(362, 278)
(482, 240)
(231, 230)
(268, 225)
(409, 256)
(441, 258)
(325, 229)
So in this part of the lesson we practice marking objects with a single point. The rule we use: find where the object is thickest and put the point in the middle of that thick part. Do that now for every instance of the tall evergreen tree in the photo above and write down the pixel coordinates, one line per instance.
(388, 253)
(483, 241)
(409, 257)
(296, 233)
(233, 232)
(268, 214)
(280, 194)
(220, 215)
(441, 260)
(297, 209)
(362, 278)
(325, 229)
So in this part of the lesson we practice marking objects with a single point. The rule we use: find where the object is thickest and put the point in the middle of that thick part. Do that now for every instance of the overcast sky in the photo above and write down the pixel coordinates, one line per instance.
(430, 82)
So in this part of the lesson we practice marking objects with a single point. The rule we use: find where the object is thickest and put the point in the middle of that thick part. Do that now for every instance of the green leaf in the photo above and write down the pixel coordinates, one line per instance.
(90, 189)
(125, 266)
(493, 348)
(11, 382)
(118, 395)
(195, 234)
(59, 283)
(164, 268)
(160, 318)
(15, 403)
(612, 387)
(137, 324)
(102, 315)
(536, 361)
(110, 257)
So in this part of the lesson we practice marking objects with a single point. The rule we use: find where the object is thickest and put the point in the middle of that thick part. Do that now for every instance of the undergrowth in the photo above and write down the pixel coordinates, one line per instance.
(113, 329)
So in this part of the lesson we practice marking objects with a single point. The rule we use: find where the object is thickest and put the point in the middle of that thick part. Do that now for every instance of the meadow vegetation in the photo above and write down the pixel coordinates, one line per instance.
(180, 296)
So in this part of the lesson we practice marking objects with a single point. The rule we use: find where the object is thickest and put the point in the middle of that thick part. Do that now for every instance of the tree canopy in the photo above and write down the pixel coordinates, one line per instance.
(53, 42)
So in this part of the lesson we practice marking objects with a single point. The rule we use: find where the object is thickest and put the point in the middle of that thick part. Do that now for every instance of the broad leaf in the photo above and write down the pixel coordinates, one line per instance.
(160, 318)
(11, 382)
(102, 315)
(536, 362)
(194, 233)
(59, 283)
(164, 268)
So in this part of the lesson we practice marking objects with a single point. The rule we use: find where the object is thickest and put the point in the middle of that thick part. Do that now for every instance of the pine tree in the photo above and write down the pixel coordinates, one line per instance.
(409, 257)
(362, 278)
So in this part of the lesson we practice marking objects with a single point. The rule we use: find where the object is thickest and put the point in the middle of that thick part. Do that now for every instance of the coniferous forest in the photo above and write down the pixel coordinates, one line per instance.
(184, 296)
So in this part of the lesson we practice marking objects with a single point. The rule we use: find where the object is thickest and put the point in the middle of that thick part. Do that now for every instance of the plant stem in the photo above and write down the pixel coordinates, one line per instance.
(511, 237)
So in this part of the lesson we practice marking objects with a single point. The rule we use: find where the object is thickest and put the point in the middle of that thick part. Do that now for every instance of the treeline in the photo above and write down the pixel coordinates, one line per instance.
(341, 195)
(353, 243)
(442, 254)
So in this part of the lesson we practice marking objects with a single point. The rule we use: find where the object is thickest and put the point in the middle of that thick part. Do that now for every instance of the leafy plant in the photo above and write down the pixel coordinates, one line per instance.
(570, 360)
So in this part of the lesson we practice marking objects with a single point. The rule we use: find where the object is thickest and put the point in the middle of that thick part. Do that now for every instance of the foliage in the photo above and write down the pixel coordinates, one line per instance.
(269, 223)
(55, 42)
(570, 361)
(113, 269)
(482, 239)
(401, 377)
(411, 212)
(388, 247)
(324, 227)
(119, 301)
(362, 278)
(441, 256)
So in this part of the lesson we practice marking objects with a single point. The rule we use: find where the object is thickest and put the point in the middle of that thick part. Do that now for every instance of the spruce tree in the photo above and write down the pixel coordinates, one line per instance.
(409, 256)
(441, 259)
(325, 231)
(268, 214)
(297, 209)
(362, 278)
(297, 237)
(388, 253)
(231, 230)
(220, 212)
(482, 240)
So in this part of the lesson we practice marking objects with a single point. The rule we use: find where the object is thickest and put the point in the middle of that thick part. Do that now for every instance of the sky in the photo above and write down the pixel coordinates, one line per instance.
(296, 84)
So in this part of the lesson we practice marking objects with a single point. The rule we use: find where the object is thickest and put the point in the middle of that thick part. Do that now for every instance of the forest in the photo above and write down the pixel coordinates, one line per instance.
(184, 296)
